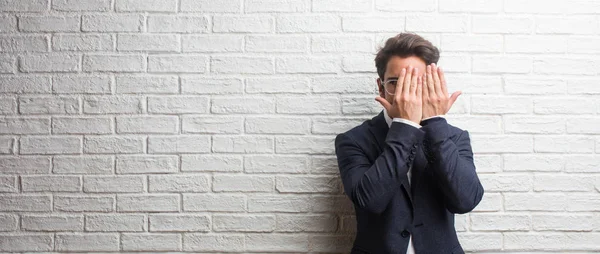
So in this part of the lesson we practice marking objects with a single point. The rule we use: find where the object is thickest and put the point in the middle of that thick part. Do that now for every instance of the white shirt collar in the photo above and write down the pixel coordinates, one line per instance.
(388, 119)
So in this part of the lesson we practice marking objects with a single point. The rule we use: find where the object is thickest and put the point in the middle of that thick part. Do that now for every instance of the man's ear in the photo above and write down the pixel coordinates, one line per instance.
(380, 88)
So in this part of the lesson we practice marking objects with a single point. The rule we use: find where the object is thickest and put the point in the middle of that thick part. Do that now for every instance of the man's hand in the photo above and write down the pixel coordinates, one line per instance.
(435, 93)
(407, 101)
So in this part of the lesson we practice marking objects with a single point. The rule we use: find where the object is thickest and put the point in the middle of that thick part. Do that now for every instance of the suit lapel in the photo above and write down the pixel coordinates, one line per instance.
(379, 130)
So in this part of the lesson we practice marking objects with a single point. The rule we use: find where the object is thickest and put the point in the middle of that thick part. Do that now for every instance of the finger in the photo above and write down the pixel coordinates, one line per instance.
(407, 80)
(443, 82)
(453, 98)
(400, 84)
(425, 90)
(420, 87)
(436, 81)
(414, 81)
(430, 84)
(384, 103)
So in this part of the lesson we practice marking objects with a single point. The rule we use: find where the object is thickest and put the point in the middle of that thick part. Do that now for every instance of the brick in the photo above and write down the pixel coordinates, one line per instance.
(344, 85)
(472, 43)
(69, 84)
(484, 104)
(212, 43)
(115, 223)
(8, 105)
(481, 241)
(361, 106)
(147, 84)
(24, 125)
(8, 64)
(271, 242)
(202, 85)
(560, 222)
(471, 6)
(477, 124)
(582, 163)
(25, 203)
(177, 24)
(77, 164)
(252, 6)
(502, 143)
(341, 6)
(488, 163)
(324, 165)
(148, 42)
(8, 184)
(243, 183)
(533, 162)
(563, 183)
(146, 5)
(179, 144)
(213, 242)
(46, 23)
(308, 184)
(243, 223)
(535, 44)
(84, 203)
(506, 182)
(308, 105)
(24, 6)
(491, 203)
(583, 202)
(534, 201)
(114, 184)
(331, 243)
(534, 85)
(552, 241)
(579, 44)
(148, 203)
(449, 23)
(337, 43)
(241, 65)
(277, 125)
(8, 222)
(49, 105)
(114, 63)
(564, 106)
(279, 203)
(53, 62)
(242, 105)
(81, 5)
(302, 145)
(83, 125)
(87, 242)
(542, 125)
(399, 6)
(225, 6)
(272, 164)
(177, 64)
(55, 183)
(308, 24)
(113, 144)
(492, 24)
(373, 24)
(568, 25)
(277, 85)
(7, 145)
(23, 43)
(502, 64)
(113, 23)
(211, 163)
(333, 125)
(143, 164)
(25, 84)
(179, 223)
(147, 124)
(52, 222)
(178, 104)
(339, 204)
(277, 43)
(358, 63)
(583, 125)
(178, 183)
(8, 23)
(113, 104)
(306, 223)
(50, 145)
(212, 125)
(214, 202)
(243, 24)
(564, 144)
(556, 66)
(26, 241)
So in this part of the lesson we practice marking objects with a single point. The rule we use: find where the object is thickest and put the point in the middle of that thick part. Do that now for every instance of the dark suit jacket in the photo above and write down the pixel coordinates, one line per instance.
(374, 160)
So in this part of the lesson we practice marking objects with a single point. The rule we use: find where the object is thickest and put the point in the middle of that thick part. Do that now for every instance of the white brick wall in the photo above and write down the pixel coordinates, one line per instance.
(208, 125)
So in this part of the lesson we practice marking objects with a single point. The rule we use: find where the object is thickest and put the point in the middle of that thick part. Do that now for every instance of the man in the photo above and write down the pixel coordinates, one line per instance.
(407, 171)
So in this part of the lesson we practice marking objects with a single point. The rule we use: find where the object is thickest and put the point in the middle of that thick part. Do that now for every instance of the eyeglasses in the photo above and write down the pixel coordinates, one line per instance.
(390, 86)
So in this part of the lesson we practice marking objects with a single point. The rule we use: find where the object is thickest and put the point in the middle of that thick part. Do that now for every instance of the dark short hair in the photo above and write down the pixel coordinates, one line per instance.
(405, 45)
